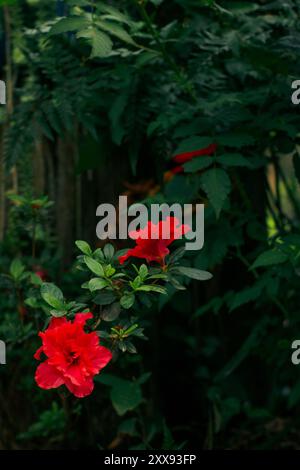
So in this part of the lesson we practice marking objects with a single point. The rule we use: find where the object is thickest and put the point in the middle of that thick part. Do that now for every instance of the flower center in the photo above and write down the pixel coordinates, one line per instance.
(73, 357)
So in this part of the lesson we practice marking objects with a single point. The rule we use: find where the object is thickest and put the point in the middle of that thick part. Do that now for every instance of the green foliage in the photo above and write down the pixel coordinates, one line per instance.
(94, 266)
(51, 423)
(97, 29)
(193, 143)
(216, 184)
(269, 257)
(52, 295)
(16, 269)
(125, 395)
(146, 81)
(194, 273)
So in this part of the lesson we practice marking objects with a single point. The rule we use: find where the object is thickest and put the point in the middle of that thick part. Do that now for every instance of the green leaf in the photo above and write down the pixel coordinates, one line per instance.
(126, 396)
(108, 251)
(131, 329)
(240, 8)
(143, 271)
(98, 254)
(175, 283)
(84, 247)
(144, 378)
(193, 143)
(246, 295)
(176, 255)
(194, 273)
(16, 269)
(198, 164)
(127, 300)
(217, 186)
(35, 279)
(233, 159)
(116, 31)
(158, 276)
(269, 258)
(136, 282)
(97, 284)
(32, 302)
(105, 298)
(94, 266)
(152, 288)
(237, 140)
(113, 13)
(16, 198)
(101, 43)
(67, 24)
(109, 271)
(58, 313)
(52, 295)
(182, 189)
(111, 312)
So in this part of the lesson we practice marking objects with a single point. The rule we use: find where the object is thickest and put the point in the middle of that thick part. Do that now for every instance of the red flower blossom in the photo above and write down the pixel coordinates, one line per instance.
(36, 206)
(152, 241)
(177, 169)
(74, 357)
(176, 163)
(187, 156)
(41, 273)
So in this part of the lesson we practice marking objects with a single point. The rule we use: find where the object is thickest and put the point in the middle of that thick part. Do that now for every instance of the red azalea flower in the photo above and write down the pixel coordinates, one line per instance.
(41, 273)
(177, 169)
(152, 241)
(187, 156)
(74, 357)
(176, 163)
(36, 206)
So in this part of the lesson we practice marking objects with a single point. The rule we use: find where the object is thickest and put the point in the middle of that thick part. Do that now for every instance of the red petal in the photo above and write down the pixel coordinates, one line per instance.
(75, 375)
(177, 169)
(55, 322)
(123, 258)
(53, 339)
(38, 353)
(48, 377)
(101, 359)
(82, 390)
(127, 255)
(176, 229)
(187, 156)
(81, 318)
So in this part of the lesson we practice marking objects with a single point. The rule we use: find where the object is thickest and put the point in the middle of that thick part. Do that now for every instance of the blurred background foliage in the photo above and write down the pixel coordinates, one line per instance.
(100, 96)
